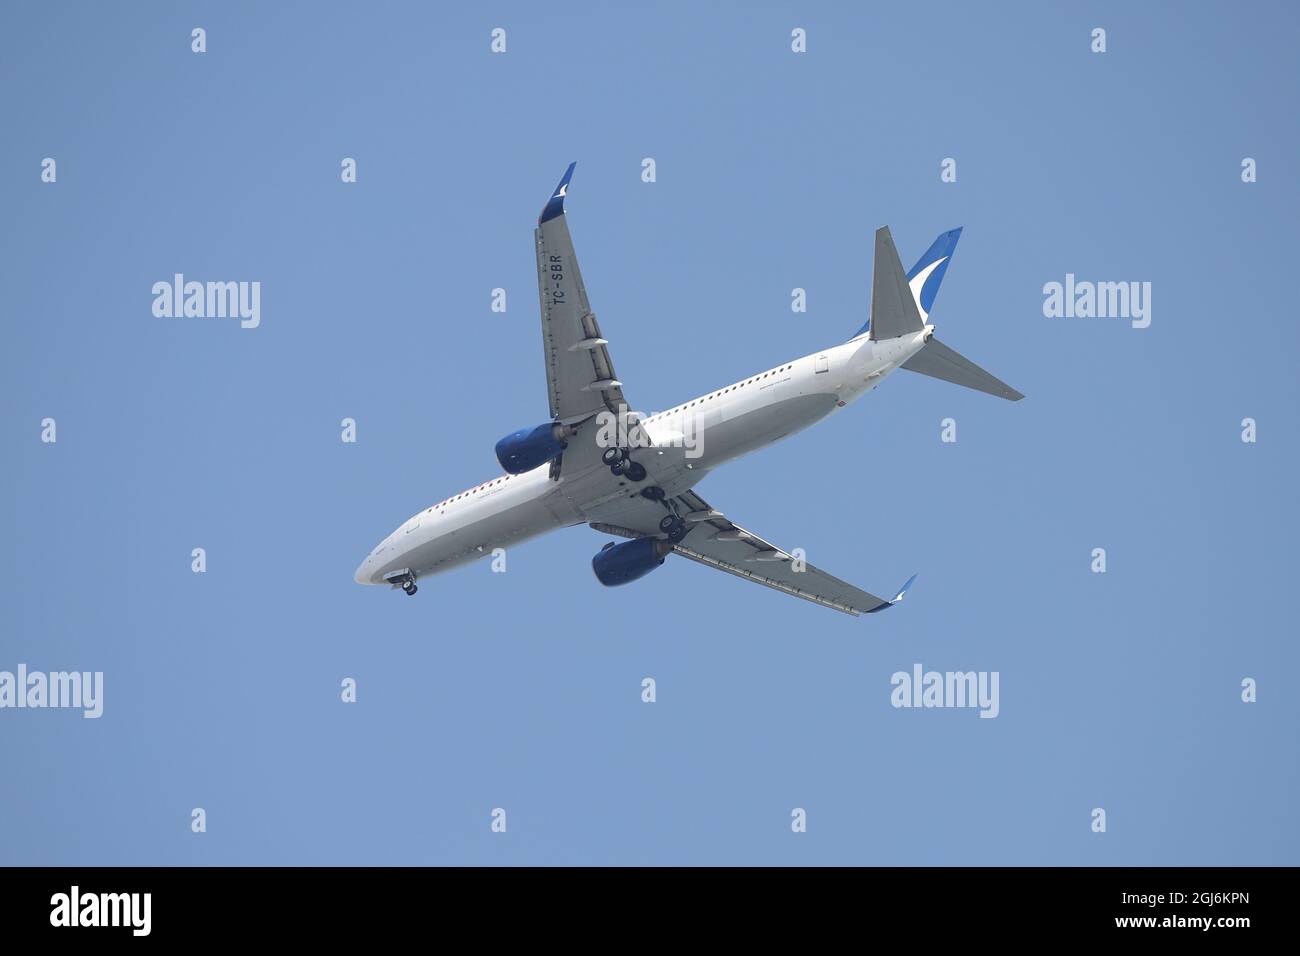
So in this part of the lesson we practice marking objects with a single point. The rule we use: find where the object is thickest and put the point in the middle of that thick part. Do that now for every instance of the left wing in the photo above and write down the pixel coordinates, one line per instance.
(713, 540)
(580, 378)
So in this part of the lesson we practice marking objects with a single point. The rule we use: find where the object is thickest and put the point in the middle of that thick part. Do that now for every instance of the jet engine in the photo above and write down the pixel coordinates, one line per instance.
(617, 564)
(528, 448)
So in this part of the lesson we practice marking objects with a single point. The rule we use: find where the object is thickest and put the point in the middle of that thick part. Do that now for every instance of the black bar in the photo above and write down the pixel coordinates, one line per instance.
(211, 905)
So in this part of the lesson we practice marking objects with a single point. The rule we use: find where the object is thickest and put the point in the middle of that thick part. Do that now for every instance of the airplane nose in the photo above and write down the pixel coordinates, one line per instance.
(363, 573)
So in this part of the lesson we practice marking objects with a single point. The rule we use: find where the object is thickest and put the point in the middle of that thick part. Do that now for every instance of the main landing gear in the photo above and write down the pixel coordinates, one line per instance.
(673, 526)
(621, 464)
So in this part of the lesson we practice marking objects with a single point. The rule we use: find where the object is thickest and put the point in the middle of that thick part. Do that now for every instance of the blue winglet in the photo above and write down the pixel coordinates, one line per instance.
(555, 206)
(897, 597)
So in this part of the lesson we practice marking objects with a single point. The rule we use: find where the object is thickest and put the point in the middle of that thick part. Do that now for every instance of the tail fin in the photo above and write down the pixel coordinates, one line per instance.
(901, 304)
(890, 318)
(926, 276)
(893, 307)
(938, 361)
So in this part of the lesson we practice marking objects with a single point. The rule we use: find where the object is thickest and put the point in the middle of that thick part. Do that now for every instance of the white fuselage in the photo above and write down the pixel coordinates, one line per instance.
(687, 442)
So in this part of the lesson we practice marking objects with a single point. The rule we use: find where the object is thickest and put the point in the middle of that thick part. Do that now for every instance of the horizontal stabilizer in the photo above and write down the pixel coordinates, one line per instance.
(938, 361)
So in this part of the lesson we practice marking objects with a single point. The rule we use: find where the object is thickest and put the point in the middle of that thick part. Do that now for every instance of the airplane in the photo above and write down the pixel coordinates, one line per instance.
(633, 476)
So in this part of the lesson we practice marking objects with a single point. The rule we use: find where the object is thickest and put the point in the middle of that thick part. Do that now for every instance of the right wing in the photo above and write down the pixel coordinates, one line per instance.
(713, 540)
(580, 380)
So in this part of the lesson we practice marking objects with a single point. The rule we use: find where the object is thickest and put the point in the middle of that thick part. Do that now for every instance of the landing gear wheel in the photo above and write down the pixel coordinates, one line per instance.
(618, 468)
(674, 527)
(635, 471)
(611, 455)
(654, 493)
(409, 587)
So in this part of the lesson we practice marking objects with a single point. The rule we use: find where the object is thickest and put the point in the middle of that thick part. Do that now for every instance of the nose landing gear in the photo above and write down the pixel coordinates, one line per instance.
(404, 579)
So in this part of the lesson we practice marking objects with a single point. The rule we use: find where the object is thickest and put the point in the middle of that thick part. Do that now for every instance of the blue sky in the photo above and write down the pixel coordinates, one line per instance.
(522, 691)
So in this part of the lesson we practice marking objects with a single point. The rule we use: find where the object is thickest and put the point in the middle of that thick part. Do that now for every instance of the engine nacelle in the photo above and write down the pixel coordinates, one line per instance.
(528, 448)
(617, 564)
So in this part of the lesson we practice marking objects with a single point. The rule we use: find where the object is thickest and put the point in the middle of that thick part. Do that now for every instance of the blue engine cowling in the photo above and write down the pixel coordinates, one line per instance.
(527, 448)
(617, 564)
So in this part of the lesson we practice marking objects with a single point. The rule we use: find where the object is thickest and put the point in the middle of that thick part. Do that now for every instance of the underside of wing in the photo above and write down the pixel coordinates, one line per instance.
(713, 540)
(580, 377)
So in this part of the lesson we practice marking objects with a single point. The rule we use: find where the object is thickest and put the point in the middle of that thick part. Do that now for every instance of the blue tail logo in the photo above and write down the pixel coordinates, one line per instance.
(926, 276)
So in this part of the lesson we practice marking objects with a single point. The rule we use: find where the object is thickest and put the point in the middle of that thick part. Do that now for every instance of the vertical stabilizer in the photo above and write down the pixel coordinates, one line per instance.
(893, 307)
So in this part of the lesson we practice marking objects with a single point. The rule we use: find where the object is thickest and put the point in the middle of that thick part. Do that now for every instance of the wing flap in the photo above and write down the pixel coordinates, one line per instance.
(808, 594)
(715, 541)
